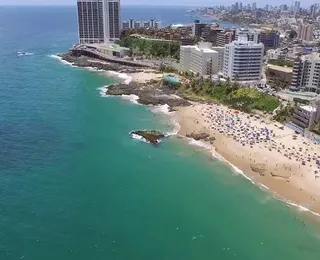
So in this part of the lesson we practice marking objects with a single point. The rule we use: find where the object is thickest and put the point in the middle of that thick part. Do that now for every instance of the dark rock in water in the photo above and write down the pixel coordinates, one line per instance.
(148, 95)
(201, 136)
(152, 136)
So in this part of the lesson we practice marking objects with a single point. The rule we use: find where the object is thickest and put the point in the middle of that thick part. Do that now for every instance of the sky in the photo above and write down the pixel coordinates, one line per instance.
(260, 3)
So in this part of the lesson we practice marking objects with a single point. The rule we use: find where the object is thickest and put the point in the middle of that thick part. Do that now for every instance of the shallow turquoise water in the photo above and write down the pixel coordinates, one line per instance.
(74, 185)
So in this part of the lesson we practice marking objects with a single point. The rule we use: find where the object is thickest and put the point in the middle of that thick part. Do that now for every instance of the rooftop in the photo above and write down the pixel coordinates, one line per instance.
(309, 108)
(280, 68)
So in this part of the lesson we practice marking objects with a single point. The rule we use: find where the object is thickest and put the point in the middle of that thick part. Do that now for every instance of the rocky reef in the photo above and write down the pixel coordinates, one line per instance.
(152, 136)
(202, 136)
(149, 94)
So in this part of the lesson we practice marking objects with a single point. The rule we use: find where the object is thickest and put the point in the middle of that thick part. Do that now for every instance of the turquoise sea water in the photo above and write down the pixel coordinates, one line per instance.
(75, 186)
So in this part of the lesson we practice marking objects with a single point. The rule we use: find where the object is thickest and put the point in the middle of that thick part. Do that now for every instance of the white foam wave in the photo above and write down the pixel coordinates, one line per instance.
(93, 69)
(139, 137)
(103, 91)
(125, 77)
(264, 186)
(200, 144)
(54, 56)
(233, 167)
(175, 130)
(25, 53)
(302, 208)
(132, 98)
(164, 109)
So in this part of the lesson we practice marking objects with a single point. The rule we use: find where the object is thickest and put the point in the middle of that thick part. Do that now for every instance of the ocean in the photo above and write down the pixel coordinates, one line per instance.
(74, 185)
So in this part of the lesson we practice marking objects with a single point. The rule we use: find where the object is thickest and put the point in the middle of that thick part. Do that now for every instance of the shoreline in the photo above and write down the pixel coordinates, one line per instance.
(295, 191)
(184, 116)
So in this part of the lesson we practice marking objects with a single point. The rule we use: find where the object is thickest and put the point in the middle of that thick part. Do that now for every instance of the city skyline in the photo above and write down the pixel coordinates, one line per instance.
(155, 3)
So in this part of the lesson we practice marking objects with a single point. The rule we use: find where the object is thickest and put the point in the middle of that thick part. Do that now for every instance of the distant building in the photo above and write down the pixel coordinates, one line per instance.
(133, 24)
(269, 37)
(243, 60)
(249, 34)
(98, 20)
(198, 28)
(202, 59)
(296, 8)
(305, 32)
(137, 24)
(130, 24)
(225, 37)
(306, 73)
(277, 54)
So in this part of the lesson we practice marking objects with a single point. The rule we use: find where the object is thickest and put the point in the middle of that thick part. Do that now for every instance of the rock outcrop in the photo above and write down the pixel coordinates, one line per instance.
(152, 136)
(200, 136)
(148, 94)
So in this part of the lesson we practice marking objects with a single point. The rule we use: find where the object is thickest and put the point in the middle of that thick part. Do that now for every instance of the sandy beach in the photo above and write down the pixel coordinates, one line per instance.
(145, 76)
(271, 155)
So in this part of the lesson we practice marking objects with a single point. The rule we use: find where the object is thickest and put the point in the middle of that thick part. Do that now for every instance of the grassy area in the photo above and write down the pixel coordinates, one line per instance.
(154, 48)
(230, 94)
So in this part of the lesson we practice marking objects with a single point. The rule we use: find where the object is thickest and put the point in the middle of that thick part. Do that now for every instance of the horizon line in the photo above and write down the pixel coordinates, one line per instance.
(62, 5)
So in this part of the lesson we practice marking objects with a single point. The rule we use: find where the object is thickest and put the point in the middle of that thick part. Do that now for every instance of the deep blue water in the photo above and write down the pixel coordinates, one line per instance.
(74, 185)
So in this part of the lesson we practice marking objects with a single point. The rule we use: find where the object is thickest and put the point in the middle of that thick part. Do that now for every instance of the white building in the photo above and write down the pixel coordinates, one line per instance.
(306, 73)
(134, 24)
(243, 60)
(304, 116)
(202, 58)
(98, 20)
(275, 54)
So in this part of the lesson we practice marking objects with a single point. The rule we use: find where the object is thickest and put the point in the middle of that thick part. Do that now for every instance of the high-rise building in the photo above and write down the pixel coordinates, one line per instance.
(112, 19)
(306, 73)
(198, 28)
(225, 37)
(129, 24)
(98, 20)
(243, 60)
(296, 8)
(313, 10)
(202, 59)
(305, 32)
(254, 6)
(269, 37)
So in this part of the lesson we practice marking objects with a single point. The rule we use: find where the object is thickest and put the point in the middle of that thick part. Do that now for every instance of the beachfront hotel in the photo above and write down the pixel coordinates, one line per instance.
(243, 61)
(306, 73)
(202, 59)
(98, 21)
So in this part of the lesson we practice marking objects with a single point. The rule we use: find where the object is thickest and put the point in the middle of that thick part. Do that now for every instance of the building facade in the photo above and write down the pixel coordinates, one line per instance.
(134, 24)
(225, 37)
(243, 61)
(305, 32)
(197, 28)
(98, 21)
(201, 59)
(306, 73)
(90, 21)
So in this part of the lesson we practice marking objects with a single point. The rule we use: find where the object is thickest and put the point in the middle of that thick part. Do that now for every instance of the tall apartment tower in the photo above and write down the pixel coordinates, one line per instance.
(243, 60)
(98, 20)
(306, 73)
(305, 32)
